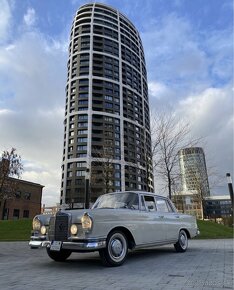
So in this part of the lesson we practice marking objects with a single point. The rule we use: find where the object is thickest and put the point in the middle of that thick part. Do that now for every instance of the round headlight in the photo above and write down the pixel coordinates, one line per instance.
(36, 224)
(43, 230)
(74, 229)
(86, 221)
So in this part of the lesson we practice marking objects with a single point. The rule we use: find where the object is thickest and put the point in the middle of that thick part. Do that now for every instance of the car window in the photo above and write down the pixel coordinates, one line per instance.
(150, 203)
(162, 205)
(127, 200)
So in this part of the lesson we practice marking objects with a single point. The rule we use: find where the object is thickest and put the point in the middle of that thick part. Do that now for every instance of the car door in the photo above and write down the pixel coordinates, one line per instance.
(171, 220)
(152, 230)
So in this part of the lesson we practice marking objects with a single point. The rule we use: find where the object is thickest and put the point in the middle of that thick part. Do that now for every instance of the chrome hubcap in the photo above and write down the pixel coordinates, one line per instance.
(116, 248)
(183, 241)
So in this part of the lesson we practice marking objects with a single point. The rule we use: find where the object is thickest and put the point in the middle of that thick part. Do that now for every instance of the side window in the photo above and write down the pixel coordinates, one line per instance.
(150, 203)
(162, 205)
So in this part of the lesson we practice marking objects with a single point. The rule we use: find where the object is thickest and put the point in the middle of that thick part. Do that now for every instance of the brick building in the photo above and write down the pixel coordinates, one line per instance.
(26, 204)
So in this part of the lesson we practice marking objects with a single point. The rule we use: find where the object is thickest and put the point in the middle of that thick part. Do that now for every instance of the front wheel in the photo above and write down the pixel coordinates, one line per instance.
(59, 256)
(182, 243)
(116, 249)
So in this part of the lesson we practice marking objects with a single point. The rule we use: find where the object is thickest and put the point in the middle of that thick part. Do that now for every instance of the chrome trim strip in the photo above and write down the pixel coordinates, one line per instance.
(159, 243)
(84, 246)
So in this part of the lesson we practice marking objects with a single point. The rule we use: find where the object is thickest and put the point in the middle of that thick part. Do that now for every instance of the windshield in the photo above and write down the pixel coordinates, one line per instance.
(118, 200)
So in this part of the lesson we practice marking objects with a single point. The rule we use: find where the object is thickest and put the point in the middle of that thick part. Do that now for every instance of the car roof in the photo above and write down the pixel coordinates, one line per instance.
(138, 192)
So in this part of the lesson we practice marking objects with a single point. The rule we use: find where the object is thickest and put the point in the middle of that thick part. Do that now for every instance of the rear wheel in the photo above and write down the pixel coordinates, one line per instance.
(116, 249)
(182, 243)
(59, 256)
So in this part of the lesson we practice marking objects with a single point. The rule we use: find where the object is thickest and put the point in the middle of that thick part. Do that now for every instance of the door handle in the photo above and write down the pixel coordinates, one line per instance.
(161, 216)
(177, 216)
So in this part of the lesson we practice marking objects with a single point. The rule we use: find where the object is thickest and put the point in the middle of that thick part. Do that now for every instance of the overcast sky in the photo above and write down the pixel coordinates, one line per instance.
(188, 48)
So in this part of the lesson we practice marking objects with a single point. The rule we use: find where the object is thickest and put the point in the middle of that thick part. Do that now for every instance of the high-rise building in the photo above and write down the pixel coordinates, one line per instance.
(193, 171)
(107, 138)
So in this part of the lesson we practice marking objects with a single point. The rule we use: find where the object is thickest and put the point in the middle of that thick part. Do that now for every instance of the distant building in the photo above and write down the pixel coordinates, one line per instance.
(218, 206)
(189, 203)
(25, 204)
(50, 209)
(212, 207)
(107, 140)
(193, 170)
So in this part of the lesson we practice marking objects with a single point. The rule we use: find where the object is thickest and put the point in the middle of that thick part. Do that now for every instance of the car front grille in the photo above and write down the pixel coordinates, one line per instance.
(58, 228)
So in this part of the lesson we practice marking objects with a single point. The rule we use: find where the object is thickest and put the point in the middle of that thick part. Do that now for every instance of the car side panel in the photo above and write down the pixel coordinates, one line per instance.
(145, 227)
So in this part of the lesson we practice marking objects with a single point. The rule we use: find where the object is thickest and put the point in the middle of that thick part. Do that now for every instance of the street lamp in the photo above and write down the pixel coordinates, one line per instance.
(87, 188)
(230, 188)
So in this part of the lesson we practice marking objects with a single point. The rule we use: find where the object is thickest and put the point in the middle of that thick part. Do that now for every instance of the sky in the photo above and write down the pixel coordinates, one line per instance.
(188, 47)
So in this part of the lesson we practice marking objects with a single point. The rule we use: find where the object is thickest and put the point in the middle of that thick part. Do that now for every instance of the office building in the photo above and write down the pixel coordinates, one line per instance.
(193, 171)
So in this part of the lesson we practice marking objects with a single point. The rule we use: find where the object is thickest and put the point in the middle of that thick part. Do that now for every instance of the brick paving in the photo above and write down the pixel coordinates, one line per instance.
(207, 265)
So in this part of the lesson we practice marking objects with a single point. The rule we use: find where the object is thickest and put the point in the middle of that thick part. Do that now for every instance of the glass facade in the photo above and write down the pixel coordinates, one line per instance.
(193, 171)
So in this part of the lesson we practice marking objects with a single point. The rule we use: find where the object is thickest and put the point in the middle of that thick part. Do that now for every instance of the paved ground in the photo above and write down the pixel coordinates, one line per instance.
(208, 264)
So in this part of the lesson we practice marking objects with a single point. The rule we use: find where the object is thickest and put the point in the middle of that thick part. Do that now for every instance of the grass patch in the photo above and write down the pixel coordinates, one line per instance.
(212, 230)
(20, 230)
(17, 230)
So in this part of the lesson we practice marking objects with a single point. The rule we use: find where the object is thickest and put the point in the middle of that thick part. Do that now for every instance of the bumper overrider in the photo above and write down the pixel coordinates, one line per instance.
(84, 245)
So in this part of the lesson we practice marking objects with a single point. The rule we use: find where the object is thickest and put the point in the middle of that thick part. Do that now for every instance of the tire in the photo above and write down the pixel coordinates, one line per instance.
(60, 256)
(116, 249)
(182, 243)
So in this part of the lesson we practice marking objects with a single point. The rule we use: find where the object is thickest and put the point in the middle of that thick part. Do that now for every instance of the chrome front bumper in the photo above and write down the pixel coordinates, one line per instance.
(36, 241)
(73, 246)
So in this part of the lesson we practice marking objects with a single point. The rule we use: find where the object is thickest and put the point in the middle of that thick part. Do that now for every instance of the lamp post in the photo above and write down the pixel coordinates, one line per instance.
(87, 189)
(230, 188)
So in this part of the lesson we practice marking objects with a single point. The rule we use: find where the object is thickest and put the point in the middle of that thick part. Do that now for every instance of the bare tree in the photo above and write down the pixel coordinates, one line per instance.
(10, 166)
(169, 135)
(102, 168)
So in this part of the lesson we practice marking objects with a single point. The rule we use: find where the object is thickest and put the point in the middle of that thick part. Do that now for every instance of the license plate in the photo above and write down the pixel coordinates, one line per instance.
(55, 246)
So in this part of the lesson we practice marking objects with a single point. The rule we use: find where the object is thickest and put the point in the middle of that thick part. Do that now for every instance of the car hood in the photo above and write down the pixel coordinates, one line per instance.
(101, 214)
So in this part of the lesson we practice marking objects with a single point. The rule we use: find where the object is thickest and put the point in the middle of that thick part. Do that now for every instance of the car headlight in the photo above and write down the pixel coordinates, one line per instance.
(73, 229)
(36, 224)
(43, 230)
(86, 221)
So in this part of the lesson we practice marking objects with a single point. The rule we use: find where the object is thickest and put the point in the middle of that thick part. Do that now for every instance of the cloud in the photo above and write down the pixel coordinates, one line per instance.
(187, 59)
(157, 90)
(5, 17)
(189, 70)
(211, 110)
(211, 116)
(30, 17)
(219, 47)
(32, 90)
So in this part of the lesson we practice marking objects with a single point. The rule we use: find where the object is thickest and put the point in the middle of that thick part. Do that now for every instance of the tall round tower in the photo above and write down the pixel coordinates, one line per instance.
(107, 140)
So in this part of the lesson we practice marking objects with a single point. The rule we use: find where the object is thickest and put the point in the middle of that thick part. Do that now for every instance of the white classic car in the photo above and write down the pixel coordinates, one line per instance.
(117, 222)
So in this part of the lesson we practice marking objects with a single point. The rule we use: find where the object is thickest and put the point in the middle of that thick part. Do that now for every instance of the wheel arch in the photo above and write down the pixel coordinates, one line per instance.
(127, 233)
(187, 232)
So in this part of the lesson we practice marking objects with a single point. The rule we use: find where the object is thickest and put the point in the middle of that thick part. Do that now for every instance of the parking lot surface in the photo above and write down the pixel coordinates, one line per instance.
(207, 264)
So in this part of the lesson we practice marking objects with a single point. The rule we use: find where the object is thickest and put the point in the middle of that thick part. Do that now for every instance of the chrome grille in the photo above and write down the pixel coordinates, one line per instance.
(58, 228)
(51, 228)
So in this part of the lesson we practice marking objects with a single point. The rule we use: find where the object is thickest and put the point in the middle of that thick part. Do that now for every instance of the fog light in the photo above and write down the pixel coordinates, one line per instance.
(74, 229)
(43, 230)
